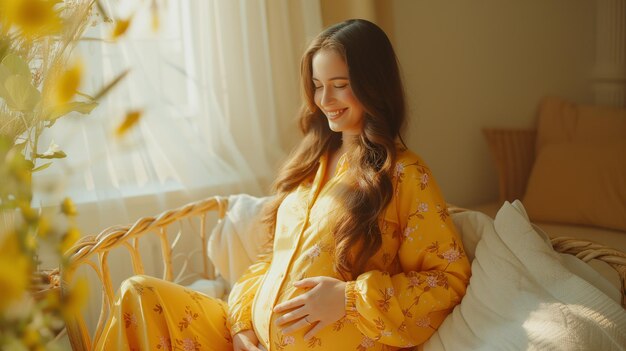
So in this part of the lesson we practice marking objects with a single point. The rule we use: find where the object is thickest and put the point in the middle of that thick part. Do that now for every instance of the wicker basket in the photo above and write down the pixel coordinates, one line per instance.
(99, 246)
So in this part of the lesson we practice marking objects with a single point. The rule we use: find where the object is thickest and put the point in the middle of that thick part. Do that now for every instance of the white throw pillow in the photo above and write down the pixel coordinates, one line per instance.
(584, 270)
(471, 225)
(237, 239)
(521, 296)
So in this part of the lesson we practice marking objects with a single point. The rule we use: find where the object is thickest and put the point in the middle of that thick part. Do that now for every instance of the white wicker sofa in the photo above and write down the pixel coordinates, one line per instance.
(474, 324)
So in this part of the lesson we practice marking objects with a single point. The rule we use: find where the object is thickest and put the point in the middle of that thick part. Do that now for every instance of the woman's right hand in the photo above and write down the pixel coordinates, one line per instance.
(246, 341)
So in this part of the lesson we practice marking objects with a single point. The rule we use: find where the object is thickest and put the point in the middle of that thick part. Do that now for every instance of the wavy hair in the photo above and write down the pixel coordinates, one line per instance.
(375, 81)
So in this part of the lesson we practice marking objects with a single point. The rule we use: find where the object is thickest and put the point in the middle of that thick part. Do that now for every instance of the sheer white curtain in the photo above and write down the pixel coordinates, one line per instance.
(219, 89)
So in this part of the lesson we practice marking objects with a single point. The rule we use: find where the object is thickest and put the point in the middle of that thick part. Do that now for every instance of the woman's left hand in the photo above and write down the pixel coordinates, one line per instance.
(322, 305)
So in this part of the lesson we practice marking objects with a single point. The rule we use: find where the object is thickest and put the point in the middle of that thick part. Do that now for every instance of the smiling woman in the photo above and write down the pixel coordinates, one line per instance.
(362, 253)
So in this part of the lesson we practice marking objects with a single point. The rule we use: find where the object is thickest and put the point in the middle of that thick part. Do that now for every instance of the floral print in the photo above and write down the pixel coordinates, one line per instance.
(423, 322)
(451, 255)
(165, 343)
(164, 329)
(407, 233)
(188, 344)
(423, 179)
(284, 341)
(338, 325)
(130, 320)
(317, 249)
(140, 288)
(187, 319)
(399, 170)
(422, 208)
(314, 341)
(443, 212)
(383, 303)
(365, 344)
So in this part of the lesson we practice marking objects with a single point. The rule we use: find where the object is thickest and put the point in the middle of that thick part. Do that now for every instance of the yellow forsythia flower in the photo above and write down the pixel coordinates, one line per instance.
(53, 300)
(68, 208)
(43, 227)
(76, 299)
(28, 213)
(130, 120)
(156, 23)
(30, 242)
(33, 17)
(121, 26)
(70, 238)
(14, 271)
(31, 338)
(68, 83)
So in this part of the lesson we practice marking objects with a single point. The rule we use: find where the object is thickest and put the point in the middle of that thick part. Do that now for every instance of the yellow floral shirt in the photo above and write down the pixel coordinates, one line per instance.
(412, 283)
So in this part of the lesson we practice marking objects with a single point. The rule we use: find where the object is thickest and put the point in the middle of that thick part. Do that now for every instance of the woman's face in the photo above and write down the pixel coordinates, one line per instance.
(333, 94)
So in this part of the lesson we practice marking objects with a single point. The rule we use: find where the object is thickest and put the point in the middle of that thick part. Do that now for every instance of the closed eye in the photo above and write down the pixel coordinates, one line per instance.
(334, 86)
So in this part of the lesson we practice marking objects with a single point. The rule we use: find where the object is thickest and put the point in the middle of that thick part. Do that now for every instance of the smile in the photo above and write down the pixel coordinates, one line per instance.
(335, 114)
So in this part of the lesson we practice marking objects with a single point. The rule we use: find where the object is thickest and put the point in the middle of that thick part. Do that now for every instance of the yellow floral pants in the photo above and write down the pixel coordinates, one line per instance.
(153, 314)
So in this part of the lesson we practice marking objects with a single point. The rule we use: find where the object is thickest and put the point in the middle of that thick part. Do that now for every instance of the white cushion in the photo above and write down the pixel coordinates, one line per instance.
(611, 238)
(522, 297)
(236, 239)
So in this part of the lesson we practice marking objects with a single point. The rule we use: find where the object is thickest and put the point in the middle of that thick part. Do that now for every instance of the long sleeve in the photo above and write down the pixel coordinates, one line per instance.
(405, 309)
(242, 294)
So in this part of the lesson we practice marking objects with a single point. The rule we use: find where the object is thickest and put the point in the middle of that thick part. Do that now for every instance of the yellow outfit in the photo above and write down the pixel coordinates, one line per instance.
(412, 283)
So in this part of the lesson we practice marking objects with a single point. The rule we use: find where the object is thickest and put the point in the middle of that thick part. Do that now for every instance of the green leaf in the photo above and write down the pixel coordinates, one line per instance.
(80, 93)
(5, 46)
(20, 144)
(16, 65)
(56, 154)
(4, 75)
(76, 106)
(110, 86)
(5, 145)
(42, 167)
(21, 95)
(102, 10)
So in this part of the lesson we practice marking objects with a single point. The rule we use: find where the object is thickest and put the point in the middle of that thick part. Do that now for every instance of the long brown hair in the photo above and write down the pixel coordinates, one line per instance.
(375, 81)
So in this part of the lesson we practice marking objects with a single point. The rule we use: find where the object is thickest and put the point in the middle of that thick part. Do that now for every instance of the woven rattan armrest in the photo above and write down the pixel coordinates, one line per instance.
(99, 246)
(587, 251)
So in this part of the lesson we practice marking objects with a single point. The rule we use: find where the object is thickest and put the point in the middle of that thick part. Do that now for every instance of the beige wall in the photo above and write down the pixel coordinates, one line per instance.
(474, 64)
(377, 11)
(485, 63)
